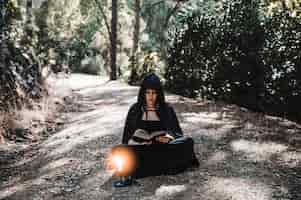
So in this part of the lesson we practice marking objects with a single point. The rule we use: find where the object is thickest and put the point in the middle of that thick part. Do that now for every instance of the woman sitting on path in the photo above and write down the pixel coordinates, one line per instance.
(153, 132)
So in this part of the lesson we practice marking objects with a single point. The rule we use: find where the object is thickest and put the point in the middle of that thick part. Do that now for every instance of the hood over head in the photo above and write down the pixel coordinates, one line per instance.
(151, 81)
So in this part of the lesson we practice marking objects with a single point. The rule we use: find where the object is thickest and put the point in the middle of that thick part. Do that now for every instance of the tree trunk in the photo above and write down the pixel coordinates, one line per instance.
(133, 77)
(113, 38)
(136, 27)
(29, 11)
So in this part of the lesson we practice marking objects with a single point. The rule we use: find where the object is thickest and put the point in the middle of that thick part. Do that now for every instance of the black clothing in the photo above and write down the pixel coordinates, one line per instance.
(150, 125)
(166, 115)
(164, 111)
(167, 159)
(173, 157)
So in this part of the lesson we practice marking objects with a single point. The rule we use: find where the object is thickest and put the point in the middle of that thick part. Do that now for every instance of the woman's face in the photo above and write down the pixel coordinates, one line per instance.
(151, 97)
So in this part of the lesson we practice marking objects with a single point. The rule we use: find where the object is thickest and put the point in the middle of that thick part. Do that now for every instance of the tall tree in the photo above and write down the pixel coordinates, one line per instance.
(136, 26)
(112, 32)
(113, 39)
(137, 9)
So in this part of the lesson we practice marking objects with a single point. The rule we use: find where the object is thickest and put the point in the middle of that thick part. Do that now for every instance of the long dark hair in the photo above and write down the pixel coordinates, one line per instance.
(151, 81)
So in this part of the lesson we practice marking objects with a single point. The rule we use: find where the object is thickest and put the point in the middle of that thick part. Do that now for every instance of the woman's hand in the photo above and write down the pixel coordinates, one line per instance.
(165, 139)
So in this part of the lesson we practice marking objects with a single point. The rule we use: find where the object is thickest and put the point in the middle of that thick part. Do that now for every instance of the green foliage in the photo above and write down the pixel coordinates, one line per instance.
(292, 7)
(148, 62)
(156, 15)
(188, 66)
(66, 33)
(210, 47)
(20, 67)
(234, 53)
(240, 37)
(282, 57)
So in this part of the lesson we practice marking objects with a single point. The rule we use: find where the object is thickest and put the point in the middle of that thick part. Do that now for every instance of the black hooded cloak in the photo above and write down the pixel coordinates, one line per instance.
(164, 111)
(174, 157)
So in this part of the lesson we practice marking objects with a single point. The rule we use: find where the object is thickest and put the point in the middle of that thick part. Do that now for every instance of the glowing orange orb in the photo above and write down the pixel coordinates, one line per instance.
(122, 161)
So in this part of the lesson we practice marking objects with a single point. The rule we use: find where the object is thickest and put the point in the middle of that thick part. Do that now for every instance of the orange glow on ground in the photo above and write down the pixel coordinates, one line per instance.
(122, 161)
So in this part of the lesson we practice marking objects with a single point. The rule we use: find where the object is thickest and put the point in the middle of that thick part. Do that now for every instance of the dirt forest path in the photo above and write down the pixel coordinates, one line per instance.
(243, 155)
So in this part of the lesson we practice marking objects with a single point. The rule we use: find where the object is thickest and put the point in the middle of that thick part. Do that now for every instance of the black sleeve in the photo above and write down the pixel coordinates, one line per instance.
(176, 129)
(128, 126)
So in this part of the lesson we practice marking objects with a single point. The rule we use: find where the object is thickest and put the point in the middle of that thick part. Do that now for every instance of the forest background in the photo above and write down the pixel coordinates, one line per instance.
(236, 51)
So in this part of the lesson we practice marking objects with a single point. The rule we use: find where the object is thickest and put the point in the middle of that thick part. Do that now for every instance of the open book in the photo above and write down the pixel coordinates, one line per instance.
(144, 137)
